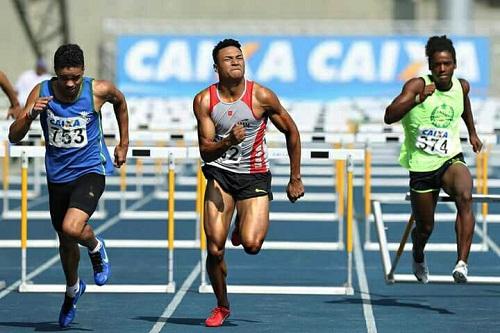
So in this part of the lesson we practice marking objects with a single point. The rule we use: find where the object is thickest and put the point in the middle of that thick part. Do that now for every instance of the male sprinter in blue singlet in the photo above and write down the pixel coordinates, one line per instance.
(232, 117)
(76, 161)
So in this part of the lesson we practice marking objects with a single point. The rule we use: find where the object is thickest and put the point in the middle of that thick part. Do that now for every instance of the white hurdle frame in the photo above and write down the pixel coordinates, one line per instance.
(135, 152)
(37, 152)
(390, 266)
(347, 155)
(173, 153)
(482, 184)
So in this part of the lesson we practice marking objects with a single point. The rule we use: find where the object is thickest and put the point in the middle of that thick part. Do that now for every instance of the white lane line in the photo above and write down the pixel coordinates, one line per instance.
(55, 258)
(31, 275)
(169, 310)
(371, 327)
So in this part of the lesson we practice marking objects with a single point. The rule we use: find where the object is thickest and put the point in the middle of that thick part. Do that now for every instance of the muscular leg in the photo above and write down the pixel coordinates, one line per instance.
(457, 182)
(75, 226)
(75, 230)
(423, 206)
(219, 208)
(70, 257)
(254, 222)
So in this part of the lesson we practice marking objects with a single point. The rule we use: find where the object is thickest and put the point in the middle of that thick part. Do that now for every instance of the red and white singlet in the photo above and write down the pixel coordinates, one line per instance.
(250, 155)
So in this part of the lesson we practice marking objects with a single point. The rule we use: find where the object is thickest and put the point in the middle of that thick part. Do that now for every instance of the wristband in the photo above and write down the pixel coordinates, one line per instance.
(30, 113)
(417, 99)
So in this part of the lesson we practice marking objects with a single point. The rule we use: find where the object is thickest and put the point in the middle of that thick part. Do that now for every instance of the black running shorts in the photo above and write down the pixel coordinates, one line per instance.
(82, 193)
(241, 185)
(430, 181)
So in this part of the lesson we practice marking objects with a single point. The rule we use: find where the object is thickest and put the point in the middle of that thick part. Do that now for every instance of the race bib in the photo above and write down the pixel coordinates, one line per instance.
(433, 141)
(232, 155)
(67, 132)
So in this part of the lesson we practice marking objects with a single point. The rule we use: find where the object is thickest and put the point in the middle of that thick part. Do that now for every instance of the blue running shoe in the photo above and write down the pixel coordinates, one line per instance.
(68, 309)
(100, 263)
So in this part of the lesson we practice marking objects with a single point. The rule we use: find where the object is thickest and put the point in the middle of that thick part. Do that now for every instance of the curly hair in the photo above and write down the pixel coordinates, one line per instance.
(223, 44)
(439, 44)
(68, 55)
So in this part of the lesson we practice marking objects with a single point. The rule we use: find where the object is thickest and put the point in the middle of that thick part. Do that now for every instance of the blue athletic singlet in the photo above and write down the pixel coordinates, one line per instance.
(73, 136)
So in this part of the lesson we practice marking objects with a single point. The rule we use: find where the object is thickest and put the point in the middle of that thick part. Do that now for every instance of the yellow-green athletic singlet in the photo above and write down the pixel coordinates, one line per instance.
(432, 129)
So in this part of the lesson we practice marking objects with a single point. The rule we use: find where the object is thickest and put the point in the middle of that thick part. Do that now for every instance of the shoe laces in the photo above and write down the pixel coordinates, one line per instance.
(96, 260)
(217, 310)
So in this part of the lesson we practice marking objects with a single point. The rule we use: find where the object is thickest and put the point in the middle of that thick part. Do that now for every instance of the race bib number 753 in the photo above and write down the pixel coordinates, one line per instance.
(67, 132)
(433, 141)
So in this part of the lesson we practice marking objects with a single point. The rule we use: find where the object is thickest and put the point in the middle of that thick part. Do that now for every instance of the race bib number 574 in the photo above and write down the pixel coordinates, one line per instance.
(68, 132)
(433, 141)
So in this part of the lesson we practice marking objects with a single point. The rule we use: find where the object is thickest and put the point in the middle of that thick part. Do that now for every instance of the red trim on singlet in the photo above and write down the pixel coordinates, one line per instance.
(247, 97)
(258, 163)
(214, 99)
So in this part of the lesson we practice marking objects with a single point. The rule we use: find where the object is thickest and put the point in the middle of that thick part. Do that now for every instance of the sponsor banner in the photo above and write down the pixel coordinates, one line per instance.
(313, 67)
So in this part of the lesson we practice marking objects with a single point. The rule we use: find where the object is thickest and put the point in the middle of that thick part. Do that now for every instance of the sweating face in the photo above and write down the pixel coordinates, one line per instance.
(230, 63)
(442, 67)
(69, 80)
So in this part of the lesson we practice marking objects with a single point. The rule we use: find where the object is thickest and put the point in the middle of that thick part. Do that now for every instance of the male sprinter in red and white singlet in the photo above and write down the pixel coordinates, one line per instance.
(232, 118)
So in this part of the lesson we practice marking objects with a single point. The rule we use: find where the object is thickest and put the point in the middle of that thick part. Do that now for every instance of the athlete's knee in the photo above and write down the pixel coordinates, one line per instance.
(253, 246)
(215, 251)
(464, 199)
(71, 229)
(425, 230)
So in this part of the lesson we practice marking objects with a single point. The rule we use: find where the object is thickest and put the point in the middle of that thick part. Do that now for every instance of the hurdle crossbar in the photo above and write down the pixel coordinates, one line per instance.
(347, 155)
(28, 286)
(178, 153)
(387, 264)
(439, 217)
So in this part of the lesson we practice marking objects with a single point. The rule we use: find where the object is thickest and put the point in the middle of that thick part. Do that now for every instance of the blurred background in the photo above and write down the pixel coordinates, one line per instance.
(321, 57)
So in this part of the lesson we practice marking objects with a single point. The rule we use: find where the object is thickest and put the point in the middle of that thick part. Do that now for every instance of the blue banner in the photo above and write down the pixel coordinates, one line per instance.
(314, 67)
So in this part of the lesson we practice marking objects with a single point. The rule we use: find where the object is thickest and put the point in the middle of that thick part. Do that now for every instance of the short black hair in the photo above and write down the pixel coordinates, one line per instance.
(439, 44)
(68, 55)
(223, 44)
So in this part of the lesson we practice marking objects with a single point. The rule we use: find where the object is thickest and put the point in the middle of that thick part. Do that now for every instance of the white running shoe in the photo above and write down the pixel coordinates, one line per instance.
(460, 272)
(421, 271)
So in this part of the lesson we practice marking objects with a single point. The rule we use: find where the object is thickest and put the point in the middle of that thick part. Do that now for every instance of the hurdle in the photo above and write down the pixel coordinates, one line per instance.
(390, 266)
(169, 287)
(35, 152)
(348, 155)
(481, 170)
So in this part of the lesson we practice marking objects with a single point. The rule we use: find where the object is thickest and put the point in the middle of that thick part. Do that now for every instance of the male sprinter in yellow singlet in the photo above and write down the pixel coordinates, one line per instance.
(430, 108)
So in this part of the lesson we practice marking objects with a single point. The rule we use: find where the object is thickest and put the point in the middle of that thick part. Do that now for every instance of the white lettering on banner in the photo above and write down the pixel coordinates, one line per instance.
(359, 63)
(388, 61)
(204, 70)
(175, 62)
(328, 61)
(278, 63)
(135, 65)
(415, 51)
(467, 61)
(317, 63)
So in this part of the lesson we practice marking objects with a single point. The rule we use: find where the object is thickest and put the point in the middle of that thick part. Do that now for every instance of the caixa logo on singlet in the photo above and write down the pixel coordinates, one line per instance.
(67, 122)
